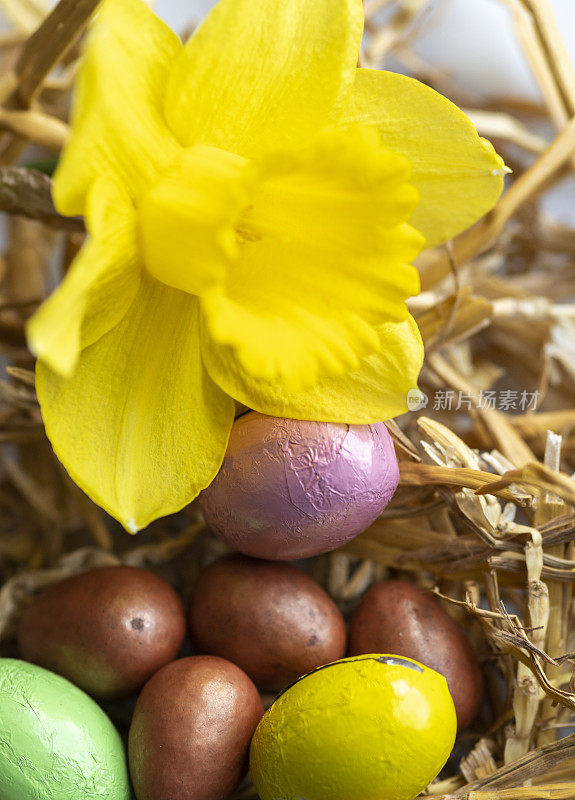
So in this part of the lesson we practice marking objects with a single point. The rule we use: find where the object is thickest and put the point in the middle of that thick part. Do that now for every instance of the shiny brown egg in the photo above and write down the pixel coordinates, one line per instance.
(107, 630)
(191, 731)
(397, 617)
(269, 618)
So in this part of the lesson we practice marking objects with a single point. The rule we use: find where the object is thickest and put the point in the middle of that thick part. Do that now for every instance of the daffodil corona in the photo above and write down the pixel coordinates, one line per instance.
(254, 202)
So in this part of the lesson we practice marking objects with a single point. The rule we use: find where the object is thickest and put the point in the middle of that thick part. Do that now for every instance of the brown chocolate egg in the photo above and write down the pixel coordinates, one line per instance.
(291, 489)
(397, 617)
(191, 731)
(271, 619)
(107, 630)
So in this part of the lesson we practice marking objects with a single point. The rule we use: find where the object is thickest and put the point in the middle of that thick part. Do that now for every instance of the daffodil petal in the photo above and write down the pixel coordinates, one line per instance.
(259, 73)
(325, 256)
(98, 289)
(375, 391)
(291, 350)
(140, 426)
(459, 175)
(187, 218)
(117, 119)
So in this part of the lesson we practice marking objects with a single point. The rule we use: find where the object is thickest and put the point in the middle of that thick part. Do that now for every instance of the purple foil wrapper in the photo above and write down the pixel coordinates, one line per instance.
(289, 489)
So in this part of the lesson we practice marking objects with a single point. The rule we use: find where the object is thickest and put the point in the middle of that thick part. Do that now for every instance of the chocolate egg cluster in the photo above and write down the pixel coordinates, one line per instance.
(369, 711)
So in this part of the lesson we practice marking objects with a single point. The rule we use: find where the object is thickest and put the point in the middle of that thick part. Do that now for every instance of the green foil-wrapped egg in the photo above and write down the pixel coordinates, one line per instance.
(56, 743)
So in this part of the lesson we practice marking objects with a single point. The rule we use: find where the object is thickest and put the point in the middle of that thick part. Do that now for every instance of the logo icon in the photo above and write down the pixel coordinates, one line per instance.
(416, 399)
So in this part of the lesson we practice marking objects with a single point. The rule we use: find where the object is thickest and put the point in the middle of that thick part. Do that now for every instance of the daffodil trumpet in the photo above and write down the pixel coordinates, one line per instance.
(254, 203)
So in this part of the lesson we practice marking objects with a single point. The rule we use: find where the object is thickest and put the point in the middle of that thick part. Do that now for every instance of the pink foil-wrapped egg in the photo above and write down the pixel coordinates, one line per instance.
(289, 489)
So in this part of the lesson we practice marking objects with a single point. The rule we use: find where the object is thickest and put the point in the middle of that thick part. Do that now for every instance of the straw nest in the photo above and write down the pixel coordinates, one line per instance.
(485, 512)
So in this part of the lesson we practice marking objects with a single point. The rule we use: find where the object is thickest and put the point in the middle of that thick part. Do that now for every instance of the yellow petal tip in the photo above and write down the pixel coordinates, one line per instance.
(62, 362)
(131, 526)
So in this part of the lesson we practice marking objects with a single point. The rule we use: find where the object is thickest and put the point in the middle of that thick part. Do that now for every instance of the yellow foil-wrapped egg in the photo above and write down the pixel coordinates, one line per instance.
(369, 727)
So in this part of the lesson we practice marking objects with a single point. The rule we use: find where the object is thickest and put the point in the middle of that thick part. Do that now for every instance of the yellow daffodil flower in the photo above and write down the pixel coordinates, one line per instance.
(254, 202)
